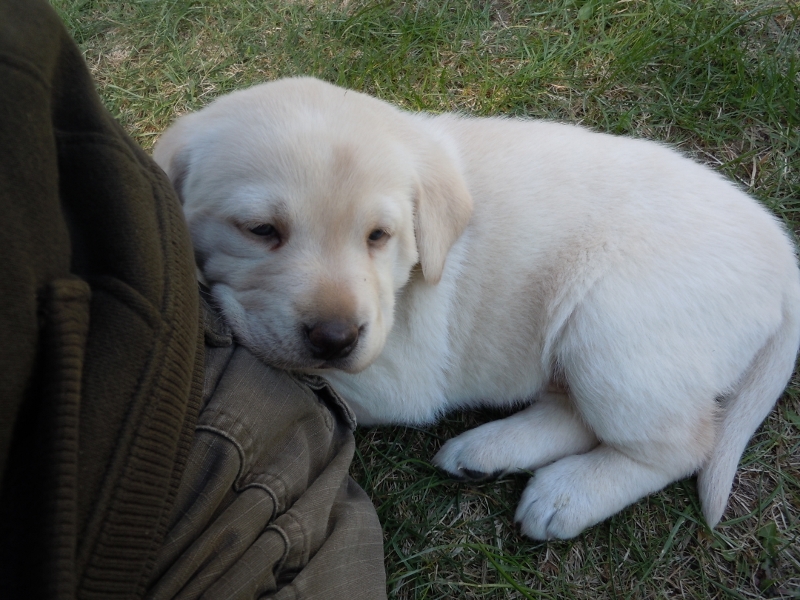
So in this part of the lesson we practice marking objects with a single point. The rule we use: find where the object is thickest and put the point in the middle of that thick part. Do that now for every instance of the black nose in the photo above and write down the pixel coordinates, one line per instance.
(332, 339)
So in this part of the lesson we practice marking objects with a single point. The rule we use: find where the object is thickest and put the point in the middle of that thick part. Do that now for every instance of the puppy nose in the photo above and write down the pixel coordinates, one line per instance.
(332, 339)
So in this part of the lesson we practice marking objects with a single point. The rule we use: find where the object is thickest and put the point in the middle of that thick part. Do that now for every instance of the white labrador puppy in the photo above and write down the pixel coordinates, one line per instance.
(643, 310)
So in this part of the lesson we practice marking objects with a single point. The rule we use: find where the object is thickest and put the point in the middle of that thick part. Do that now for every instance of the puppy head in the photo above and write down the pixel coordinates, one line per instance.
(308, 207)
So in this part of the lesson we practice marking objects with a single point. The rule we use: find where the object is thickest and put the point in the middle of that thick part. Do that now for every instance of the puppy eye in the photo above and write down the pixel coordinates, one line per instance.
(265, 230)
(377, 235)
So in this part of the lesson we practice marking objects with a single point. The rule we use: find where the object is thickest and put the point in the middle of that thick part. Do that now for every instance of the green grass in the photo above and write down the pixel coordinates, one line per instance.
(719, 80)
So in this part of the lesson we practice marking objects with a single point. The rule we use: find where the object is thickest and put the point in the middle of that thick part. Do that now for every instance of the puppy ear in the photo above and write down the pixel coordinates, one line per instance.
(171, 153)
(443, 209)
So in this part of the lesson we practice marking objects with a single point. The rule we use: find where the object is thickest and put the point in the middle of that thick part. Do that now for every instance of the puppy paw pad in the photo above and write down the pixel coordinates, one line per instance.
(546, 512)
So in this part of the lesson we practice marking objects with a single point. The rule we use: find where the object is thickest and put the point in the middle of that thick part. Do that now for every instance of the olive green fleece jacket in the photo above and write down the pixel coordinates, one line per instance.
(102, 354)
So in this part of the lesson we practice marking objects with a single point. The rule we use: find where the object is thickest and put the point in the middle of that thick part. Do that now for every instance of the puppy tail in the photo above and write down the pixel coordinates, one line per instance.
(744, 410)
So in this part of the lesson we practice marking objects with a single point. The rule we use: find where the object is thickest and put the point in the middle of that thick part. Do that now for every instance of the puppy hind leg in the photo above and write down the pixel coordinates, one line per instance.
(545, 431)
(647, 440)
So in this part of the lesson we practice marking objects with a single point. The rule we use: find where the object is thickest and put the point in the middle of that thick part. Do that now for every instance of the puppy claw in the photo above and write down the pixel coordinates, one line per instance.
(473, 475)
(465, 474)
(476, 475)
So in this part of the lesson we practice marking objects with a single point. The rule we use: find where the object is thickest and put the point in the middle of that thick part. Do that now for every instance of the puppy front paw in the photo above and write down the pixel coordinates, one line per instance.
(467, 457)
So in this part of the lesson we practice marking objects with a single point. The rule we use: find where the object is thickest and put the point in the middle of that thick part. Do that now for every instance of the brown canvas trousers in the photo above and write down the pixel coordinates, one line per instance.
(265, 502)
(143, 453)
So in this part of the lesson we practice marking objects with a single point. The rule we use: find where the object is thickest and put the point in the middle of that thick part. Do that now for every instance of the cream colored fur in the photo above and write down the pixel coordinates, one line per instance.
(663, 301)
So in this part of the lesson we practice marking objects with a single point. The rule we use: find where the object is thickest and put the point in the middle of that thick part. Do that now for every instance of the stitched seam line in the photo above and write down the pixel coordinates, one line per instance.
(237, 486)
(286, 545)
